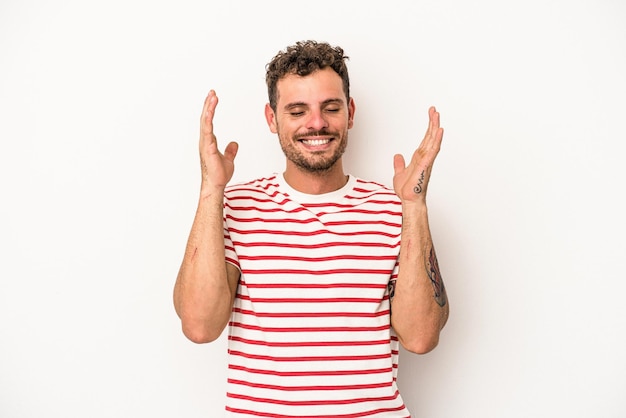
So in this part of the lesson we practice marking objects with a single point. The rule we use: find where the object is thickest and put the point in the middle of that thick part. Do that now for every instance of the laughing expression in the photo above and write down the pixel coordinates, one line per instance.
(312, 119)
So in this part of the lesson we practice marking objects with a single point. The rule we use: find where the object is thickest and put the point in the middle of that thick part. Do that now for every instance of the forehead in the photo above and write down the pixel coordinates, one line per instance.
(317, 87)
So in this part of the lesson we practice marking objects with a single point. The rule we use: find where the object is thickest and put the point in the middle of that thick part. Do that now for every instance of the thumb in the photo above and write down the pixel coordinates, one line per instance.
(231, 151)
(398, 163)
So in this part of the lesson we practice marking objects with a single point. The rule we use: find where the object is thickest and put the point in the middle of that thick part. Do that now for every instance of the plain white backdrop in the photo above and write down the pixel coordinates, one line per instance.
(99, 178)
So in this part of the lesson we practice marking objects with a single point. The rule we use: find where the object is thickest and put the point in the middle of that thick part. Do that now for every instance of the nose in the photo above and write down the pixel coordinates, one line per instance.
(316, 121)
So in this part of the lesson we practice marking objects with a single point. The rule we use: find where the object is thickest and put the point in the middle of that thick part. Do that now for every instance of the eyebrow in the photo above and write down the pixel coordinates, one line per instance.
(303, 104)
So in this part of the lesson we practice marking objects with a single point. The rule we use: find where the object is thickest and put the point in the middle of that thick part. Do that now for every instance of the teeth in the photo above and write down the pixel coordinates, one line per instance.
(315, 142)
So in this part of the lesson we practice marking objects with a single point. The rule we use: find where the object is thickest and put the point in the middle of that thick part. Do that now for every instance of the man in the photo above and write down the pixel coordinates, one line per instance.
(307, 267)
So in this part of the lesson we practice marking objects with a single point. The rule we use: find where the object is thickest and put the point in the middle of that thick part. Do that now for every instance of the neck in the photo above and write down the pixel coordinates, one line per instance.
(315, 182)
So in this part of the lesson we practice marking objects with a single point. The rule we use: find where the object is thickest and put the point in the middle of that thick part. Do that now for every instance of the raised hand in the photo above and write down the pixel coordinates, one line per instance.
(410, 182)
(217, 168)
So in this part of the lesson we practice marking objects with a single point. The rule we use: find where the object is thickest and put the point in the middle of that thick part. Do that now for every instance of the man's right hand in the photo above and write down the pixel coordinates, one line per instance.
(217, 168)
(206, 284)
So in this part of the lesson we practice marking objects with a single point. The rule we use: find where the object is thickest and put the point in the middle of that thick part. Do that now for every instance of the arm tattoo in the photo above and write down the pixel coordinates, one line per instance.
(432, 269)
(418, 189)
(391, 287)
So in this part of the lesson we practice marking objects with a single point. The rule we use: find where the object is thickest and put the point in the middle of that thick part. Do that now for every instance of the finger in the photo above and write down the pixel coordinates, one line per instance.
(438, 132)
(433, 136)
(208, 112)
(439, 136)
(230, 152)
(433, 121)
(398, 163)
(429, 130)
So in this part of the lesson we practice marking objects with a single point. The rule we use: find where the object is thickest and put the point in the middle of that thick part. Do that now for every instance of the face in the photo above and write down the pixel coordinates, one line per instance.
(312, 119)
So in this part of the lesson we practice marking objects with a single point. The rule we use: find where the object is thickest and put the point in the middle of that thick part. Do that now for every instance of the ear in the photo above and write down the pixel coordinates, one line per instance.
(351, 110)
(270, 117)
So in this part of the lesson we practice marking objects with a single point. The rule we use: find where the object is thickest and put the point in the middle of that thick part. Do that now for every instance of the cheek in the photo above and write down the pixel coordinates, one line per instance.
(287, 129)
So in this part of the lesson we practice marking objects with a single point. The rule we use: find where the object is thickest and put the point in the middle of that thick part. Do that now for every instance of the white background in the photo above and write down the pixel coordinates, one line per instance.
(99, 177)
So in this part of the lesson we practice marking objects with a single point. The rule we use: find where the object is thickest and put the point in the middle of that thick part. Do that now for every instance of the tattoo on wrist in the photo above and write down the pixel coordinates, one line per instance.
(418, 189)
(432, 269)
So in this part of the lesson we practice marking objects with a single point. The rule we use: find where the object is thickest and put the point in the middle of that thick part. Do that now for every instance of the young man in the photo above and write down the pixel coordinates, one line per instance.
(307, 267)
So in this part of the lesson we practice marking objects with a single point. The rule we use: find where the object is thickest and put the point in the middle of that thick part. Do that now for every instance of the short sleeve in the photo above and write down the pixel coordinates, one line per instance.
(229, 247)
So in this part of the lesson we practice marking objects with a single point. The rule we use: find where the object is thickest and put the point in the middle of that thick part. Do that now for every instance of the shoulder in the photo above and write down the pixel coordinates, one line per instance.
(372, 190)
(264, 186)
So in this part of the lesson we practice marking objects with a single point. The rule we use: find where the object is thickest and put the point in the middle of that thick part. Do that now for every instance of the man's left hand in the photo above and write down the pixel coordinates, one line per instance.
(410, 182)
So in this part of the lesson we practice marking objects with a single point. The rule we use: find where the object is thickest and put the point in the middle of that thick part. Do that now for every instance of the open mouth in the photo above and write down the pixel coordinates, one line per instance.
(315, 142)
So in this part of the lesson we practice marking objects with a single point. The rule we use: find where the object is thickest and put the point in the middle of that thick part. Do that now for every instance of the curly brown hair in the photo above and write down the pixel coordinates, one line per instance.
(304, 58)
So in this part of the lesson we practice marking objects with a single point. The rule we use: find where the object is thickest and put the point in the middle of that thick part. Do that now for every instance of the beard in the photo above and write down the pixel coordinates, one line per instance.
(316, 161)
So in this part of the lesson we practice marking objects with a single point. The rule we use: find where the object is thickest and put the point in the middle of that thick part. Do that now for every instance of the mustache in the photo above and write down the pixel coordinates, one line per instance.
(322, 132)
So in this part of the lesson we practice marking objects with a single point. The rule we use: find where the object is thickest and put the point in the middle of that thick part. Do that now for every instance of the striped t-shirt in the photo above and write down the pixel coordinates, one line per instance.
(310, 333)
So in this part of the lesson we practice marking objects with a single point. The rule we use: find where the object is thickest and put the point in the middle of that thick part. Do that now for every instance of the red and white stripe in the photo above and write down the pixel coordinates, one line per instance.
(310, 331)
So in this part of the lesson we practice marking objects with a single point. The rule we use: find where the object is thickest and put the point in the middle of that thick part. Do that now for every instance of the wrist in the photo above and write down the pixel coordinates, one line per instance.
(209, 191)
(414, 205)
(414, 208)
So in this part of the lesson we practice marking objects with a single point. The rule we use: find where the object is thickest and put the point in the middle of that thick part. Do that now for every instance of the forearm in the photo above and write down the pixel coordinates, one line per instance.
(419, 308)
(203, 295)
